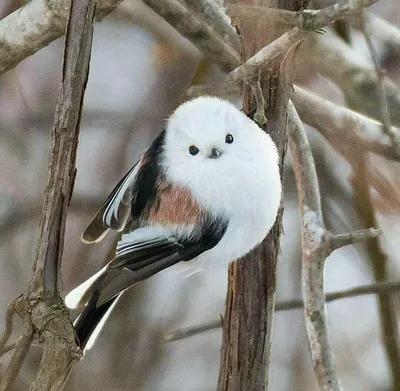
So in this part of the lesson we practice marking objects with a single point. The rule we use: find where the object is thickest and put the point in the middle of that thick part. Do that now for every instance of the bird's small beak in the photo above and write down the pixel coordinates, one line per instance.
(215, 153)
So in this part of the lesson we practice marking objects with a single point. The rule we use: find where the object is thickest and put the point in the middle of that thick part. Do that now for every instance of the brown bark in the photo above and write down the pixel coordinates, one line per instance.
(250, 303)
(41, 307)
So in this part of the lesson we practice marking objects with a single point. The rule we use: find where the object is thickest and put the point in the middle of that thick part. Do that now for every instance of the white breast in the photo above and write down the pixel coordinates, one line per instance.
(251, 204)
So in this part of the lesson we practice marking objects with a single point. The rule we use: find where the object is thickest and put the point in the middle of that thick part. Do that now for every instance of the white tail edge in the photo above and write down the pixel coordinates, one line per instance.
(73, 299)
(99, 327)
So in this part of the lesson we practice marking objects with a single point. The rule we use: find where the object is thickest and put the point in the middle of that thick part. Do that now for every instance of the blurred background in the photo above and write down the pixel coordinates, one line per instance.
(140, 71)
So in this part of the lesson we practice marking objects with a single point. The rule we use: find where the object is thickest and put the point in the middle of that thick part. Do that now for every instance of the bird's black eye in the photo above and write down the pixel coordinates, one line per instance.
(229, 138)
(193, 150)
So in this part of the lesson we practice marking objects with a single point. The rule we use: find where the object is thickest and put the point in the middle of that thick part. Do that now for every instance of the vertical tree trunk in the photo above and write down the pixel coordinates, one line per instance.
(250, 302)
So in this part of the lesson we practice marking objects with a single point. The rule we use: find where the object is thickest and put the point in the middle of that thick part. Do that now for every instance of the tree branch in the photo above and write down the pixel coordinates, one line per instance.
(341, 240)
(343, 128)
(267, 54)
(315, 251)
(41, 307)
(364, 290)
(305, 19)
(381, 90)
(214, 15)
(195, 30)
(8, 326)
(383, 30)
(354, 75)
(35, 26)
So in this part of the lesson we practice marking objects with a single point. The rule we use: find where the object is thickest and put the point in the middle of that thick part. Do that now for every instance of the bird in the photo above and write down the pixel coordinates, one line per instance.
(208, 188)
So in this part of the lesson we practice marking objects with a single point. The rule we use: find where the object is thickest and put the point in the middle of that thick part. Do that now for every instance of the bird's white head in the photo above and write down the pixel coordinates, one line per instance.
(215, 150)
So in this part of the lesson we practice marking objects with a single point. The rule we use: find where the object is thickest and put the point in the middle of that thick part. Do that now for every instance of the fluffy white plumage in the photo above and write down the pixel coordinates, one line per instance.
(233, 178)
(243, 184)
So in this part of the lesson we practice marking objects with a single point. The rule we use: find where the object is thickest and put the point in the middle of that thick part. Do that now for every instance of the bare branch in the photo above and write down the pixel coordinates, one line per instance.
(355, 76)
(382, 30)
(214, 15)
(41, 307)
(315, 251)
(364, 290)
(317, 245)
(187, 332)
(199, 33)
(381, 90)
(340, 240)
(35, 26)
(21, 350)
(251, 67)
(8, 326)
(343, 128)
(306, 19)
(379, 262)
(7, 348)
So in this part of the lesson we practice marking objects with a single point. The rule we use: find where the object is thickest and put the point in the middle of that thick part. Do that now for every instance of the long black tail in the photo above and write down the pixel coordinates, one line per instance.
(90, 319)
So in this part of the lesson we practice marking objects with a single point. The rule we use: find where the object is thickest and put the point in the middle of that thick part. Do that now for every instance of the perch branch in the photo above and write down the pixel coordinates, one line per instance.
(306, 19)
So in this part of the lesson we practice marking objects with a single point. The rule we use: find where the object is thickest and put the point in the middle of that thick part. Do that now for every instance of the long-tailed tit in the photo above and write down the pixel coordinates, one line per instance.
(208, 187)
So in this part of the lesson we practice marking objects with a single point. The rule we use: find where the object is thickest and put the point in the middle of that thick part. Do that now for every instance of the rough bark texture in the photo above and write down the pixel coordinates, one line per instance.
(247, 326)
(41, 307)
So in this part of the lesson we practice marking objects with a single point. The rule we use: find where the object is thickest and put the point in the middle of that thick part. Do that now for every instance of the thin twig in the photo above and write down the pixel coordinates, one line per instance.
(354, 74)
(364, 290)
(259, 115)
(382, 30)
(21, 350)
(381, 90)
(341, 240)
(8, 326)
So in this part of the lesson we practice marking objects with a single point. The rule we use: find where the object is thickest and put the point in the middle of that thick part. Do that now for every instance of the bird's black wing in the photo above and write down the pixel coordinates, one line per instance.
(129, 197)
(138, 261)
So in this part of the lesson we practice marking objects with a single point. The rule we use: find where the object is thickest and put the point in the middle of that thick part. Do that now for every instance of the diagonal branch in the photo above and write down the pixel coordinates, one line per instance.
(195, 30)
(354, 75)
(343, 128)
(381, 90)
(35, 26)
(214, 15)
